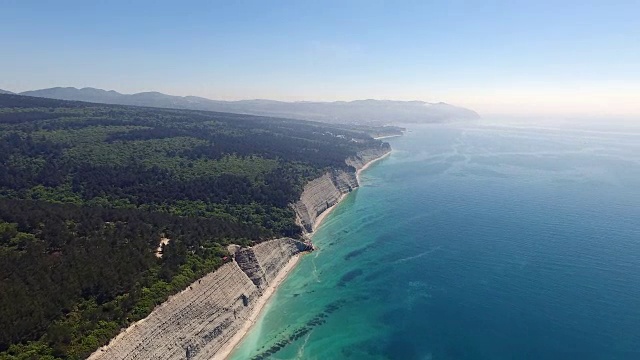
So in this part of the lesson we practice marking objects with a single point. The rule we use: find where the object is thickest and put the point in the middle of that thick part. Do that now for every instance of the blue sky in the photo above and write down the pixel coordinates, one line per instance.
(498, 57)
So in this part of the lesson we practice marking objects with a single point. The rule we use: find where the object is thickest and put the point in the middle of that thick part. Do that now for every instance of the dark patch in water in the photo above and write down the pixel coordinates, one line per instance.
(285, 340)
(391, 317)
(359, 298)
(355, 253)
(334, 306)
(346, 352)
(399, 347)
(385, 238)
(350, 276)
(368, 349)
(373, 276)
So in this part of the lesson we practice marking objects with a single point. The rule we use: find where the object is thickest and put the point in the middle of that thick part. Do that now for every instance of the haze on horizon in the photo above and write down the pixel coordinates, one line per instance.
(574, 58)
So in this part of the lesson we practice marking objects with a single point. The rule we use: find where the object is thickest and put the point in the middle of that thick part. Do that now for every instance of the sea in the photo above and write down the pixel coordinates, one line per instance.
(487, 240)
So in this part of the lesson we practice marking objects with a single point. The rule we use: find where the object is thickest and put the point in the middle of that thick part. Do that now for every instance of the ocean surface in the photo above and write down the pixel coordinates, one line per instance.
(479, 241)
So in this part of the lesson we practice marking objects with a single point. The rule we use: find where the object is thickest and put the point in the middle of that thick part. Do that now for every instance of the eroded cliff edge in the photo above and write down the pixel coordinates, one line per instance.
(198, 322)
(324, 192)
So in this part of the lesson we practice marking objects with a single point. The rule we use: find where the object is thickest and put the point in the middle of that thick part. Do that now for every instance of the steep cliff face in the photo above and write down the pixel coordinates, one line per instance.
(197, 322)
(247, 261)
(322, 193)
(364, 156)
(273, 256)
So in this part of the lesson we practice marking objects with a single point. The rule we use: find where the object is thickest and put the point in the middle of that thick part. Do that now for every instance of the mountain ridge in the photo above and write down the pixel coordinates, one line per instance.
(366, 111)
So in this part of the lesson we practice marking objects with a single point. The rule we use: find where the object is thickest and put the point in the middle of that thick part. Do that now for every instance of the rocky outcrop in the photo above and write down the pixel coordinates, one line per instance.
(324, 192)
(197, 322)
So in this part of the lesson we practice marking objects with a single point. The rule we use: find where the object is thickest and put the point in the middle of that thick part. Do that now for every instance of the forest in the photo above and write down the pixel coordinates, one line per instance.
(88, 191)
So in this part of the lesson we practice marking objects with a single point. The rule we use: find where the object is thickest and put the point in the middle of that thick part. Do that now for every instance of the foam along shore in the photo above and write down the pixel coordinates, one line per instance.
(229, 347)
(250, 321)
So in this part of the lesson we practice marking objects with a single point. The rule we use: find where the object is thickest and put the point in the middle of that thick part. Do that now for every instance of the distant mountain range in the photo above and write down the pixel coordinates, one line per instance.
(359, 111)
(5, 92)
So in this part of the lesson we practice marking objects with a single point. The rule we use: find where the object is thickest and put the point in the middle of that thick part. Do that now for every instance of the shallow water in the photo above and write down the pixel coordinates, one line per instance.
(473, 242)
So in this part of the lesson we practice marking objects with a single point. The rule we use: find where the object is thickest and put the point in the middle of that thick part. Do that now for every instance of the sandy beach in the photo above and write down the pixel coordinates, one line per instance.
(369, 164)
(386, 137)
(228, 348)
(324, 214)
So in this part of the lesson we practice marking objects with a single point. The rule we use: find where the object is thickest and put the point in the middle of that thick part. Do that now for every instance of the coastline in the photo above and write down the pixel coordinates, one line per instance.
(250, 321)
(366, 166)
(324, 214)
(248, 324)
(386, 136)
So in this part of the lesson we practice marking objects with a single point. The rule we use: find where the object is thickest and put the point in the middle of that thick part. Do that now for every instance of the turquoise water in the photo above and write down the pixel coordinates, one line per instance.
(473, 242)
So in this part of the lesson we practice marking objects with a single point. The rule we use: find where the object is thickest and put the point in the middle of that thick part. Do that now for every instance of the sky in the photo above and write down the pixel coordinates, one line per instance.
(521, 58)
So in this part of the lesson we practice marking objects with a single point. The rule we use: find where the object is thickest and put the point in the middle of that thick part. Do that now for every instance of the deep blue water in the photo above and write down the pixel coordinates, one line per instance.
(473, 242)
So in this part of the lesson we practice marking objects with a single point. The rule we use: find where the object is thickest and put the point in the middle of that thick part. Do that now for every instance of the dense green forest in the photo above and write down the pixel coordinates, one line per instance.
(88, 191)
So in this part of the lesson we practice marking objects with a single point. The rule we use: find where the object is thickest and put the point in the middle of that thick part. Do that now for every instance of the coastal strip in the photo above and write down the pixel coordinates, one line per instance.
(324, 192)
(387, 136)
(367, 165)
(197, 322)
(326, 212)
(250, 321)
(229, 347)
(211, 317)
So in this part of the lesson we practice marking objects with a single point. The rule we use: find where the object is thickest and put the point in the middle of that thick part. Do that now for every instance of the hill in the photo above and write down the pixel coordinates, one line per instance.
(347, 112)
(88, 192)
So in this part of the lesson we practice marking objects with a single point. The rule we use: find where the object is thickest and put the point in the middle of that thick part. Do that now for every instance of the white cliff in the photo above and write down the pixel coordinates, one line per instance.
(324, 192)
(207, 318)
(197, 322)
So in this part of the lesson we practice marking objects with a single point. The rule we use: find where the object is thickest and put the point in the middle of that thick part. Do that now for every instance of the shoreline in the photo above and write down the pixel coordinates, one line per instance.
(250, 321)
(366, 166)
(324, 214)
(386, 137)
